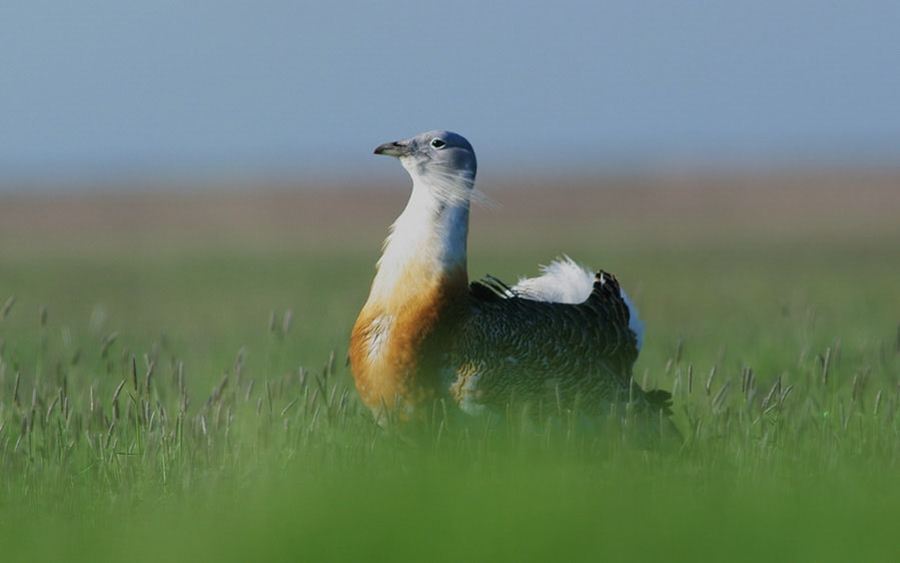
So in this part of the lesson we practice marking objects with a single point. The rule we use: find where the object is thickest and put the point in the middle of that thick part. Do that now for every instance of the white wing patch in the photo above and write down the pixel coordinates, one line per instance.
(561, 281)
(564, 281)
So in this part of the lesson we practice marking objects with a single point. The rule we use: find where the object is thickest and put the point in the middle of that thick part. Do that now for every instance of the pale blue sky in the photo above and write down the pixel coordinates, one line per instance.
(98, 88)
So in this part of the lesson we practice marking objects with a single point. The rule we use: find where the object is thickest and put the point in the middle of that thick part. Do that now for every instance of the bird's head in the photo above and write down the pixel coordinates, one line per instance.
(436, 157)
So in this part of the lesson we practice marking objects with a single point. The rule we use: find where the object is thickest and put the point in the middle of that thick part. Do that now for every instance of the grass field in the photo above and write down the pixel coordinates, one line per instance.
(173, 384)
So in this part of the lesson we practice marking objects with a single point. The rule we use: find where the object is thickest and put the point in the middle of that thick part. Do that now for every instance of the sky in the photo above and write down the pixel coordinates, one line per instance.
(216, 89)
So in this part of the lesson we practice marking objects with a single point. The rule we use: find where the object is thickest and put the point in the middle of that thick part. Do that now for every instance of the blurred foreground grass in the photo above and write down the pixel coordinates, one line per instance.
(773, 317)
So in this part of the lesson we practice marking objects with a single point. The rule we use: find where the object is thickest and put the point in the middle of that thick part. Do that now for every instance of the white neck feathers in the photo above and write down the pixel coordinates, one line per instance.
(427, 241)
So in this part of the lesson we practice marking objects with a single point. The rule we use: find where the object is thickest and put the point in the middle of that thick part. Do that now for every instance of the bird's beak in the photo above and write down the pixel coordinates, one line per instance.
(397, 148)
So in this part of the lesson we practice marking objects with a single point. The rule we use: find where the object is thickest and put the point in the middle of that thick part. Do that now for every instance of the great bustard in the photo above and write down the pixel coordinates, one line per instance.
(426, 334)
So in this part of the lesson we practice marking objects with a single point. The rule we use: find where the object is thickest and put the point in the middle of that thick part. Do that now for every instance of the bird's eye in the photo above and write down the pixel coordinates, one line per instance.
(437, 143)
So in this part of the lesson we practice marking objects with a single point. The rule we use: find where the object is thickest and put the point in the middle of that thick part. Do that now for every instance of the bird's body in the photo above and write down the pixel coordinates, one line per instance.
(515, 348)
(425, 333)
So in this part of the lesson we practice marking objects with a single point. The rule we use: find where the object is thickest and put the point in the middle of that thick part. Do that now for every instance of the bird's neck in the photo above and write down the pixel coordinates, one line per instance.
(426, 248)
(417, 295)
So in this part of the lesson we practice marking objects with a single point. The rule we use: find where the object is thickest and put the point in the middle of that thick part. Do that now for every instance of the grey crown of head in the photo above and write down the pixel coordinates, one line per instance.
(441, 152)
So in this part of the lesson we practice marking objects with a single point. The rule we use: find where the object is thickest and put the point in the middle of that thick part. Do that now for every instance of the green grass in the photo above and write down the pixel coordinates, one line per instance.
(249, 442)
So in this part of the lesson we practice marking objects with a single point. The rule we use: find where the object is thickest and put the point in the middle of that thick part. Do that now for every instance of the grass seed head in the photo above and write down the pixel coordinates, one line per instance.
(7, 307)
(286, 321)
(107, 342)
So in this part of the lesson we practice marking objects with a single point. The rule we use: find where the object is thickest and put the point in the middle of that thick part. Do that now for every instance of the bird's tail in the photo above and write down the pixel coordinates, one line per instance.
(660, 401)
(659, 407)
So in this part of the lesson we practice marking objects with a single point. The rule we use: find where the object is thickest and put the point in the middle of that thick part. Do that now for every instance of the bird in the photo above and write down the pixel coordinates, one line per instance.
(566, 339)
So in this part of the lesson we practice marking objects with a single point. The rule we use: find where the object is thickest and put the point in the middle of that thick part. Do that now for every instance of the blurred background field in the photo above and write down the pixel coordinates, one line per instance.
(213, 265)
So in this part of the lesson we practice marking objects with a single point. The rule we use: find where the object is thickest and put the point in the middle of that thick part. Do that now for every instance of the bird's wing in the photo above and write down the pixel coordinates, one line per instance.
(512, 348)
